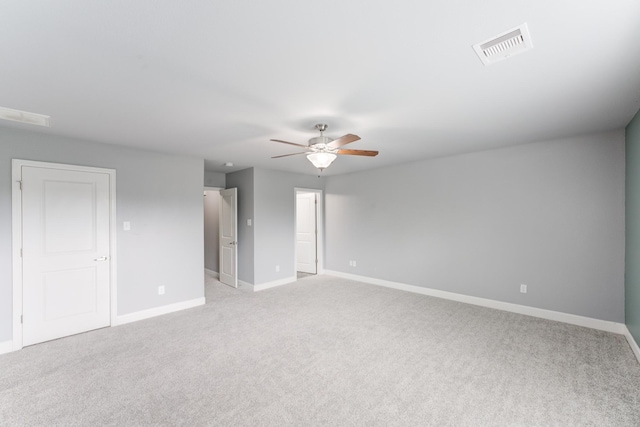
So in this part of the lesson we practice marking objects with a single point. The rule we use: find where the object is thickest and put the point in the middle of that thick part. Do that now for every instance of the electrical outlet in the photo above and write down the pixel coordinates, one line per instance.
(352, 263)
(160, 290)
(523, 289)
(277, 268)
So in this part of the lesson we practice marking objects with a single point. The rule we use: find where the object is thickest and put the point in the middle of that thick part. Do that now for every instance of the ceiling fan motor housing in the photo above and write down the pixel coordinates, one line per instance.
(324, 140)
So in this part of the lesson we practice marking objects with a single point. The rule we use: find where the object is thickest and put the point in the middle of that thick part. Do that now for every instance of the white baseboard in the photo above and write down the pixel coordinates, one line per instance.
(588, 322)
(213, 273)
(158, 311)
(632, 343)
(273, 284)
(6, 347)
(262, 286)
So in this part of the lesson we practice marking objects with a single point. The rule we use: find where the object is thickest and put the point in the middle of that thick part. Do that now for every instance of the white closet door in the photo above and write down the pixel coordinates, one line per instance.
(306, 233)
(66, 252)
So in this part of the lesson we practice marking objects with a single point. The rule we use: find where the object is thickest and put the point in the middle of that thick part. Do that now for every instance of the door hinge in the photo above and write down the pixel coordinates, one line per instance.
(21, 319)
(20, 252)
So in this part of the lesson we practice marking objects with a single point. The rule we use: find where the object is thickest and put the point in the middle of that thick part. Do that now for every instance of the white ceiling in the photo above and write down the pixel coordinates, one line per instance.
(218, 79)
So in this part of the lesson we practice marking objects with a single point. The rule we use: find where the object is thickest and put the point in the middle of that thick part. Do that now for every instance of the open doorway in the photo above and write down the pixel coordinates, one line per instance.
(220, 245)
(308, 232)
(211, 230)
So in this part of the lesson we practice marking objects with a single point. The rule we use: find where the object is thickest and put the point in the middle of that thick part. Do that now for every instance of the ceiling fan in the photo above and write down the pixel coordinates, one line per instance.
(323, 150)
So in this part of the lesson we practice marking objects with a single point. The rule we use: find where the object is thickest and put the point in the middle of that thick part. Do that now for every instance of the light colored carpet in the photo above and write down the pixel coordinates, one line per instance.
(326, 351)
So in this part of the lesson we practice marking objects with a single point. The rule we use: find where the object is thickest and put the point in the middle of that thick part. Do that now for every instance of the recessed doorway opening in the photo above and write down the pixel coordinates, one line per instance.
(309, 235)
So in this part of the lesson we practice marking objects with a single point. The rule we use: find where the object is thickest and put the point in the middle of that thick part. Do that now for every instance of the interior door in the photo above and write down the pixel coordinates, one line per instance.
(229, 237)
(66, 251)
(306, 233)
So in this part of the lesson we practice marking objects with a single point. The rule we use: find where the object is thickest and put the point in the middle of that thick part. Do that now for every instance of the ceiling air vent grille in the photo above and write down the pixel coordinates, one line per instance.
(24, 117)
(509, 43)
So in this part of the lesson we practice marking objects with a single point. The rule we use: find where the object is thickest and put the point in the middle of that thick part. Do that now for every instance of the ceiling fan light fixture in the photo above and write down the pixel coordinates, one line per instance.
(321, 160)
(324, 150)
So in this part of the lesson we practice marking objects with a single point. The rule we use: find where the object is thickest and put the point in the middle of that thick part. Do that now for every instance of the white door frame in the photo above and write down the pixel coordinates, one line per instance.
(16, 234)
(320, 224)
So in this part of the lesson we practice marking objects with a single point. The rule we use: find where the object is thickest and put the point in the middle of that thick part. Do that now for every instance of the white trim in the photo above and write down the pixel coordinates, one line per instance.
(159, 311)
(632, 343)
(273, 284)
(16, 236)
(588, 322)
(213, 273)
(7, 347)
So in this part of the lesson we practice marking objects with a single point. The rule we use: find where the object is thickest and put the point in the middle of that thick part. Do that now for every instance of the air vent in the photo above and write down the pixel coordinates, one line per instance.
(505, 45)
(24, 117)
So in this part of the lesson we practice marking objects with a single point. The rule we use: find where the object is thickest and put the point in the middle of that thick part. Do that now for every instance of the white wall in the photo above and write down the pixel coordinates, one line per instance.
(160, 194)
(214, 179)
(547, 214)
(267, 197)
(275, 221)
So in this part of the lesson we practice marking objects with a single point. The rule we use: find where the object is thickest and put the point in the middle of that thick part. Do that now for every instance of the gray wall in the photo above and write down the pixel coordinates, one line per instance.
(632, 266)
(161, 195)
(243, 181)
(548, 214)
(211, 230)
(214, 179)
(275, 207)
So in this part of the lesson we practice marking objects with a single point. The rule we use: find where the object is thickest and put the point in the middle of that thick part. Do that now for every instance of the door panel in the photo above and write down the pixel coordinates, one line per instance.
(68, 216)
(228, 237)
(58, 285)
(306, 226)
(66, 249)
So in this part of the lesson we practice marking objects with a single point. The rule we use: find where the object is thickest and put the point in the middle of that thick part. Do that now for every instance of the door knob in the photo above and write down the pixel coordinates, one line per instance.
(102, 258)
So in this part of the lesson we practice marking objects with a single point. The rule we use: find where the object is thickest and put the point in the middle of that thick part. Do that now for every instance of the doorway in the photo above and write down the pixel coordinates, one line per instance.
(309, 243)
(211, 232)
(220, 234)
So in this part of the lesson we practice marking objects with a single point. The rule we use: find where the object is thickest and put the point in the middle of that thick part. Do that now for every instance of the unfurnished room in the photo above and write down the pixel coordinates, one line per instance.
(339, 213)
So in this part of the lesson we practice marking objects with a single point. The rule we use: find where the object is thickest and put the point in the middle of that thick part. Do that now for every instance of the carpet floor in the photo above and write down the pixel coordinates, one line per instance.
(326, 351)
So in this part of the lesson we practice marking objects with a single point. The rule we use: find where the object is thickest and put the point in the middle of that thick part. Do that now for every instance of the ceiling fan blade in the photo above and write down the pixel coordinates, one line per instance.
(292, 154)
(370, 153)
(343, 140)
(290, 143)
